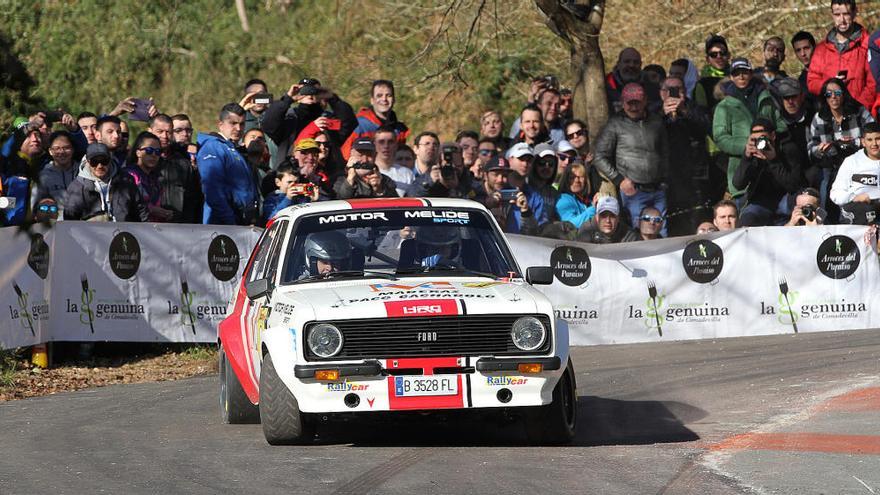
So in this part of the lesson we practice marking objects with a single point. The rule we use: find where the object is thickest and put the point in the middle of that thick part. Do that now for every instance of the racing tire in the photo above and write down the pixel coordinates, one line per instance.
(555, 423)
(283, 423)
(235, 407)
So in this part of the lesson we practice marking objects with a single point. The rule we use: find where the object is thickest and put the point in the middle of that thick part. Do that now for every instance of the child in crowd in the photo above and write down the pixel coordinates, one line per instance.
(292, 190)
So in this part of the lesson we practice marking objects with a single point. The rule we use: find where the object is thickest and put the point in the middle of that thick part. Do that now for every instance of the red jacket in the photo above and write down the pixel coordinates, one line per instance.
(827, 63)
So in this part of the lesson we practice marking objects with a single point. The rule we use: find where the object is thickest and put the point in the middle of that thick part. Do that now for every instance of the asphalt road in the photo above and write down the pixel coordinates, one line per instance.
(780, 414)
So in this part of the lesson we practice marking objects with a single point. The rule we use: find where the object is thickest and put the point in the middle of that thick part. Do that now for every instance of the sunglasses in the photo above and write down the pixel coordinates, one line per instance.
(564, 157)
(717, 54)
(48, 208)
(101, 162)
(151, 151)
(323, 144)
(572, 135)
(652, 219)
(547, 162)
(838, 93)
(487, 152)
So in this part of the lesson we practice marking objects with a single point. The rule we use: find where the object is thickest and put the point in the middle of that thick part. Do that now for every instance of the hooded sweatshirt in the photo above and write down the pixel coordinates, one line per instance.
(88, 197)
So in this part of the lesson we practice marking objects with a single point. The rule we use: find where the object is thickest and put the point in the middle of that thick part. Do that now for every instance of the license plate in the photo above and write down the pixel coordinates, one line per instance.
(416, 386)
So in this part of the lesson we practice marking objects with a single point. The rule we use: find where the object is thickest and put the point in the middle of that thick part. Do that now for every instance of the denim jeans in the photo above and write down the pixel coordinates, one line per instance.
(635, 203)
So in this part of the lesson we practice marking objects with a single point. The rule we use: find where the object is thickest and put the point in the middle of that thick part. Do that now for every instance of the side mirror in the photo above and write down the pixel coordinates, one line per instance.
(539, 275)
(257, 288)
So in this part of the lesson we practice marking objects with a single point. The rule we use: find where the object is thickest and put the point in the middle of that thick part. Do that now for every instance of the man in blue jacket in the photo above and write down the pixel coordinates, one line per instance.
(229, 183)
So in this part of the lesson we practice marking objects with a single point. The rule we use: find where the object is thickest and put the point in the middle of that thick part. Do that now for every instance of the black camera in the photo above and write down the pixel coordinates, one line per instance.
(363, 166)
(447, 172)
(309, 81)
(448, 155)
(809, 212)
(847, 146)
(53, 116)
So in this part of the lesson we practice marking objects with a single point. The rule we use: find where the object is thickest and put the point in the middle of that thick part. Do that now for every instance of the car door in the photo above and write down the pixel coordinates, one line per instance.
(265, 266)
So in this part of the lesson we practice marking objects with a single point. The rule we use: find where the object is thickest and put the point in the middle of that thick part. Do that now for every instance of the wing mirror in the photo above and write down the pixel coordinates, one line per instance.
(258, 288)
(539, 275)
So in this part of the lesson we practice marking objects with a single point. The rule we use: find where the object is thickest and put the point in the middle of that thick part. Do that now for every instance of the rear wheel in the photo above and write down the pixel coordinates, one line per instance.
(235, 407)
(283, 423)
(555, 423)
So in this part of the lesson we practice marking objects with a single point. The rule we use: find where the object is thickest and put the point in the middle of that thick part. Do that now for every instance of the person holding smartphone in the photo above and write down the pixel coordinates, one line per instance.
(843, 54)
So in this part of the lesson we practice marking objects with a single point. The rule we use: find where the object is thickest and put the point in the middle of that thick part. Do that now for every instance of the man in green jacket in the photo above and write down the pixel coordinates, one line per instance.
(745, 99)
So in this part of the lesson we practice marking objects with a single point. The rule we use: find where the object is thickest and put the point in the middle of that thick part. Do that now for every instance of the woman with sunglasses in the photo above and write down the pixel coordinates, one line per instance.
(576, 133)
(835, 134)
(575, 203)
(542, 175)
(143, 166)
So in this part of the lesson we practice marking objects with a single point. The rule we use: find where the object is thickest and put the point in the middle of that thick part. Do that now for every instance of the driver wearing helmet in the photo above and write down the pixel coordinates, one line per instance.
(439, 246)
(326, 252)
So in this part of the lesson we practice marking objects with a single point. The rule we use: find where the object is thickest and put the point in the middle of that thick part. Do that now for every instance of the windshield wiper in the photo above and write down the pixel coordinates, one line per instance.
(348, 274)
(446, 268)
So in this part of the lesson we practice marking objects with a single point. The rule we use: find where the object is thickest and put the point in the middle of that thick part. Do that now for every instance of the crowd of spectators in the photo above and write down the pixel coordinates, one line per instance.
(684, 151)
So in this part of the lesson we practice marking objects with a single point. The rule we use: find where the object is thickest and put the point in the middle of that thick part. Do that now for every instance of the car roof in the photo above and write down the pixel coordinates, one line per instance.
(373, 204)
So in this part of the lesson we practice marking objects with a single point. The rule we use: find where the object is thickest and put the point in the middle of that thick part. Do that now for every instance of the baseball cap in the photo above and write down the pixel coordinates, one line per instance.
(496, 164)
(607, 203)
(363, 144)
(564, 147)
(786, 87)
(520, 150)
(632, 91)
(740, 63)
(544, 149)
(715, 39)
(96, 150)
(306, 144)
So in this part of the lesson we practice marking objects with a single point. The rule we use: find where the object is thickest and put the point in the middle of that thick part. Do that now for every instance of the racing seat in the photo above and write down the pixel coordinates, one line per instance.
(408, 253)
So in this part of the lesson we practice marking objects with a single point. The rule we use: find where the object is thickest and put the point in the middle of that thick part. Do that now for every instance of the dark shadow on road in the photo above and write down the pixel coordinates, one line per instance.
(600, 422)
(628, 422)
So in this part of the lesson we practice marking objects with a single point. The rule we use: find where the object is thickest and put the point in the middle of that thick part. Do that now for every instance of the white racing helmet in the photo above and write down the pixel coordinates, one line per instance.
(327, 246)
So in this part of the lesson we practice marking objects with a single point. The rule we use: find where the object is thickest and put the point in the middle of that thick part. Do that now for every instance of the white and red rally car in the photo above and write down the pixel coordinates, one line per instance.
(391, 305)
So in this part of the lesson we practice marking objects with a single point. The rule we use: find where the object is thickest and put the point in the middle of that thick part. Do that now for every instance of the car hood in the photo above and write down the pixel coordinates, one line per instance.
(380, 298)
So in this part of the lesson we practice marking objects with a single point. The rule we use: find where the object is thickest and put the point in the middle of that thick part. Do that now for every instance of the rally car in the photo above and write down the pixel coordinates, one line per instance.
(391, 305)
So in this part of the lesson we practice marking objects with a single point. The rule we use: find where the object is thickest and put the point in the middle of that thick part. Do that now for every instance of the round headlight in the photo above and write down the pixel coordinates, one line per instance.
(528, 333)
(325, 340)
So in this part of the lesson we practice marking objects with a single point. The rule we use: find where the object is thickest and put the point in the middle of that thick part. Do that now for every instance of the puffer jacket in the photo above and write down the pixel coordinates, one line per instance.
(54, 182)
(827, 62)
(732, 125)
(228, 182)
(84, 200)
(633, 149)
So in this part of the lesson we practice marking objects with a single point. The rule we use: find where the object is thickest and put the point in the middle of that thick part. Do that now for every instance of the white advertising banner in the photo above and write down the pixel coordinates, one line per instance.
(24, 291)
(144, 282)
(83, 281)
(747, 282)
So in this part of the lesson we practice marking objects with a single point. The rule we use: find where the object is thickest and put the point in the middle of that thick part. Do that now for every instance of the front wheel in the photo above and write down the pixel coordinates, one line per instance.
(283, 423)
(555, 423)
(235, 407)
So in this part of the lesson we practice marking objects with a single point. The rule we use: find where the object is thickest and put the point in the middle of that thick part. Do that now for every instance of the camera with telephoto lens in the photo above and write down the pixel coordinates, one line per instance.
(762, 143)
(847, 147)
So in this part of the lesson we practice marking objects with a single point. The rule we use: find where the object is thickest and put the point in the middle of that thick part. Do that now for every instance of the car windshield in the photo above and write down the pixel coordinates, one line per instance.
(396, 242)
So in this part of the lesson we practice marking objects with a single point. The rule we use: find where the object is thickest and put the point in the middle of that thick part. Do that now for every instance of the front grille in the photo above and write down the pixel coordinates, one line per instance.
(461, 335)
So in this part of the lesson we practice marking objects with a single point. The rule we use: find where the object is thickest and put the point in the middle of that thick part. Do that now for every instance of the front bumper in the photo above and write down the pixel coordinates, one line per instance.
(485, 382)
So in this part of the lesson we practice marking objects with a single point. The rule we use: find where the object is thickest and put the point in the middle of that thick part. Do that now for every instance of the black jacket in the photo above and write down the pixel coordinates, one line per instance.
(83, 201)
(283, 123)
(181, 186)
(591, 233)
(766, 182)
(689, 161)
(361, 189)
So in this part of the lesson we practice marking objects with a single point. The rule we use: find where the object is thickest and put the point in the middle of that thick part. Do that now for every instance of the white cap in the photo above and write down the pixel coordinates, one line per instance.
(564, 146)
(520, 150)
(544, 149)
(607, 203)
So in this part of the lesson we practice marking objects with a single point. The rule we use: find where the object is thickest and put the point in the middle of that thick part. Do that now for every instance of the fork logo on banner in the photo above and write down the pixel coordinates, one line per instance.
(702, 261)
(838, 257)
(223, 258)
(125, 255)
